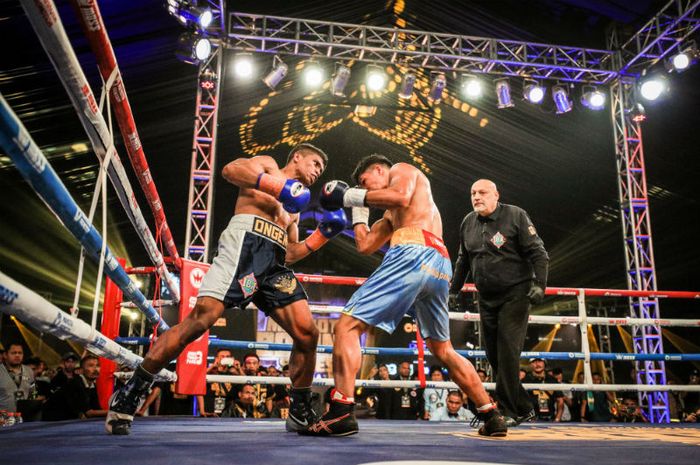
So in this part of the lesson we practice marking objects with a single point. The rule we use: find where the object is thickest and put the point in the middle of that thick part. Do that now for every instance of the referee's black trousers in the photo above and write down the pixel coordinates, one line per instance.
(504, 326)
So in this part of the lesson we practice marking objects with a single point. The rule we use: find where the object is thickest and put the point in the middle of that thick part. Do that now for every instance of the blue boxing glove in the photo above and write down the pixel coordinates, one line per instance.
(292, 193)
(332, 223)
(337, 194)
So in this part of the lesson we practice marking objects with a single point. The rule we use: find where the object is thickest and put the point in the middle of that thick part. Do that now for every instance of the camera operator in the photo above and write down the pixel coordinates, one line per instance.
(630, 412)
(219, 395)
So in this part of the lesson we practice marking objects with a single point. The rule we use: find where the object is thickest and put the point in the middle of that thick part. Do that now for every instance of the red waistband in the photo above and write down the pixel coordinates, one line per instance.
(418, 236)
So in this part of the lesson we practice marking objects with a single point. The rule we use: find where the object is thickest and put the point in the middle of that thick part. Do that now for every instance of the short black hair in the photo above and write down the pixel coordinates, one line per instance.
(250, 354)
(308, 148)
(368, 161)
(87, 358)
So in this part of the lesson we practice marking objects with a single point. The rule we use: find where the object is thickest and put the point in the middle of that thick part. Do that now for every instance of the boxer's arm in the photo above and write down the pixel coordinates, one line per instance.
(244, 172)
(369, 240)
(295, 250)
(402, 184)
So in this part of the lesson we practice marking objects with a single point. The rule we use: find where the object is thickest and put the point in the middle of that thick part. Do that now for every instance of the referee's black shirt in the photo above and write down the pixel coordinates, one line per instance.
(501, 250)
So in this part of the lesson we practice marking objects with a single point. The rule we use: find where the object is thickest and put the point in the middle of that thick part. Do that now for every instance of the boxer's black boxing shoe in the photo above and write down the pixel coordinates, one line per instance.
(339, 421)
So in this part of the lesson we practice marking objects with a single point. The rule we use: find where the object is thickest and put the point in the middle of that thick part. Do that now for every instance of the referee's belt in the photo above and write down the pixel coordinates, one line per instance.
(418, 236)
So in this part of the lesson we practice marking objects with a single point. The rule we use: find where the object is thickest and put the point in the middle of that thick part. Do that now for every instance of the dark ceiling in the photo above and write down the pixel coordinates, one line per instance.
(560, 168)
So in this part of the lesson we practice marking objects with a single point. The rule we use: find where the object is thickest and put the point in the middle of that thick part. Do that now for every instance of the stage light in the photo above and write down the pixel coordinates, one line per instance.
(532, 91)
(365, 111)
(684, 58)
(376, 78)
(192, 48)
(407, 82)
(186, 14)
(592, 98)
(313, 74)
(471, 86)
(560, 95)
(243, 65)
(652, 87)
(279, 71)
(340, 80)
(503, 93)
(436, 88)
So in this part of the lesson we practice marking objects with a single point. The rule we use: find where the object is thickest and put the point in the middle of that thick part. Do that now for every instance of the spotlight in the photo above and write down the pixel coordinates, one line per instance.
(133, 316)
(192, 48)
(560, 95)
(683, 59)
(438, 85)
(188, 14)
(376, 78)
(532, 91)
(279, 71)
(471, 86)
(652, 87)
(503, 93)
(313, 74)
(406, 88)
(592, 98)
(243, 65)
(340, 80)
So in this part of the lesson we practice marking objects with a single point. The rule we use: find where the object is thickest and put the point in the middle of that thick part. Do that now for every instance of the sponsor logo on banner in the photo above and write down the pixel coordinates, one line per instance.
(196, 276)
(498, 239)
(90, 98)
(30, 150)
(100, 342)
(7, 296)
(63, 323)
(86, 9)
(48, 12)
(194, 358)
(135, 142)
(82, 221)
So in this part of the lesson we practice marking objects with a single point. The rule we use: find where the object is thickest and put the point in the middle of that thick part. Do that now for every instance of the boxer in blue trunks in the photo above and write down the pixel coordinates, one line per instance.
(260, 240)
(413, 279)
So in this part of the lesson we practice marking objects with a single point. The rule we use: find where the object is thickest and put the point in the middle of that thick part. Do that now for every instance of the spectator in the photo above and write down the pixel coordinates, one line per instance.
(406, 403)
(263, 393)
(522, 374)
(630, 412)
(219, 396)
(384, 395)
(576, 400)
(434, 398)
(78, 397)
(66, 371)
(548, 405)
(690, 401)
(567, 397)
(247, 405)
(41, 381)
(453, 410)
(595, 405)
(16, 381)
(692, 417)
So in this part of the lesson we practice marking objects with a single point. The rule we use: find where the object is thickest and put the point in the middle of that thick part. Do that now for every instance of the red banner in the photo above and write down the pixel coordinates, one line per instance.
(192, 362)
(111, 313)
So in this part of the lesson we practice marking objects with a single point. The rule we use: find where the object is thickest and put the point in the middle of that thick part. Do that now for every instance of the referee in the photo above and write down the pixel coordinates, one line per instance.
(508, 262)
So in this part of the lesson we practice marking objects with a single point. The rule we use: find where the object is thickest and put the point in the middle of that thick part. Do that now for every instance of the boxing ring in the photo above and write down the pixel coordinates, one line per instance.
(224, 440)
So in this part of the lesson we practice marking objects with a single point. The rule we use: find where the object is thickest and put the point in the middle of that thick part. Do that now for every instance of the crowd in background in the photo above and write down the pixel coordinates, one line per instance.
(36, 392)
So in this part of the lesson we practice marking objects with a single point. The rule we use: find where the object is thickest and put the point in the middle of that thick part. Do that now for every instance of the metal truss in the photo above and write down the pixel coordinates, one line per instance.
(660, 35)
(639, 251)
(201, 190)
(427, 50)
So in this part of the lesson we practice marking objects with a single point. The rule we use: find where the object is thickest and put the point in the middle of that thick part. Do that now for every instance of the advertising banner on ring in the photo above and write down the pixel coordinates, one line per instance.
(192, 362)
